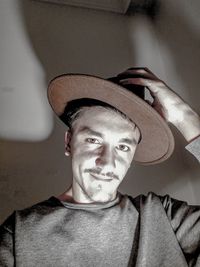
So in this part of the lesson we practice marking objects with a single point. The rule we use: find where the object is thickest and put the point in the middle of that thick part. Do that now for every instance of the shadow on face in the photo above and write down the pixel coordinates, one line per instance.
(102, 144)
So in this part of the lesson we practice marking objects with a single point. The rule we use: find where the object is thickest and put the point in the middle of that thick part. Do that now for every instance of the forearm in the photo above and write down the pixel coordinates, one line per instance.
(189, 124)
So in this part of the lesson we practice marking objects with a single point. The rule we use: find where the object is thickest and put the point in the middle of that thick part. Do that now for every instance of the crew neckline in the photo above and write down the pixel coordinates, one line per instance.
(91, 206)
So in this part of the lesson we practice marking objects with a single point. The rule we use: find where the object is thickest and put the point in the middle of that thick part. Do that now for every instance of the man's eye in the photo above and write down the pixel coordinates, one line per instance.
(123, 148)
(92, 140)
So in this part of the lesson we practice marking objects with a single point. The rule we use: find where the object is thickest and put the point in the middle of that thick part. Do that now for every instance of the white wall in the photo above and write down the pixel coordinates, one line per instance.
(43, 40)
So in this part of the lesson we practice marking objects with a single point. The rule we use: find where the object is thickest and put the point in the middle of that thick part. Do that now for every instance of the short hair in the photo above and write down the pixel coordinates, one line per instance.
(74, 108)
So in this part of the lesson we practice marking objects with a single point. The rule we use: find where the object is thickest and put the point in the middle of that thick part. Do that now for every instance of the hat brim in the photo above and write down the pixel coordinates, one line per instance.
(157, 143)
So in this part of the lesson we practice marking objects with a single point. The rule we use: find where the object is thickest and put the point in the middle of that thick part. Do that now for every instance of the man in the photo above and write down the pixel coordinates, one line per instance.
(91, 223)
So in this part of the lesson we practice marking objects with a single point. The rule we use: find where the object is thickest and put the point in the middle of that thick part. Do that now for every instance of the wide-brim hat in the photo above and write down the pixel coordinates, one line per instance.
(157, 143)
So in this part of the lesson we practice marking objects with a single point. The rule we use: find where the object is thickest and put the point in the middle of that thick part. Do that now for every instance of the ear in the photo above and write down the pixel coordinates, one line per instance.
(67, 142)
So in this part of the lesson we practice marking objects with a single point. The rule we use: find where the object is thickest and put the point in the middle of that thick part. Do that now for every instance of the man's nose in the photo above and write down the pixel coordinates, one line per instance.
(106, 158)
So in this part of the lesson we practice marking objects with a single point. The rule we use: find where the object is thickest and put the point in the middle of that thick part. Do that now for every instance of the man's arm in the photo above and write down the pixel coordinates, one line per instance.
(7, 242)
(166, 102)
(185, 221)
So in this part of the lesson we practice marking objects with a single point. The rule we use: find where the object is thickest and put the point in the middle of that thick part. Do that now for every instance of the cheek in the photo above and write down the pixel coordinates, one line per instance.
(126, 159)
(82, 154)
(84, 151)
(124, 164)
(82, 158)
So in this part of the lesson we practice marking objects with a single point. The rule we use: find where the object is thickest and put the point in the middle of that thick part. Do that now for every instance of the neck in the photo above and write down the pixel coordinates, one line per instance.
(76, 195)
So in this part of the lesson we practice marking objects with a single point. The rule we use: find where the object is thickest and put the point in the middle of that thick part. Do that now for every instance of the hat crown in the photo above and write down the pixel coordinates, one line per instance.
(138, 90)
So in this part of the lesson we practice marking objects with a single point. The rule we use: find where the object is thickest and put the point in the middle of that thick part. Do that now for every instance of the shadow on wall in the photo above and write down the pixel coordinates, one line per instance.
(178, 26)
(69, 39)
(175, 26)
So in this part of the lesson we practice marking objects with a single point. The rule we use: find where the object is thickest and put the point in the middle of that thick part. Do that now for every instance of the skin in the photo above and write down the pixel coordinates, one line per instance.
(105, 156)
(100, 154)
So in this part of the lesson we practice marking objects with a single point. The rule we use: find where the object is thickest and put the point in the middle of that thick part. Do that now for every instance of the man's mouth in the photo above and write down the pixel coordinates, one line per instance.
(101, 177)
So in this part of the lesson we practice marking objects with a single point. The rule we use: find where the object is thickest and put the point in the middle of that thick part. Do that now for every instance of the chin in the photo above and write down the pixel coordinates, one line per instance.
(101, 197)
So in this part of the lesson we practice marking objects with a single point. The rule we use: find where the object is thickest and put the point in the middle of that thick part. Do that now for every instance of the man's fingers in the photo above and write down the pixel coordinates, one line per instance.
(135, 72)
(153, 85)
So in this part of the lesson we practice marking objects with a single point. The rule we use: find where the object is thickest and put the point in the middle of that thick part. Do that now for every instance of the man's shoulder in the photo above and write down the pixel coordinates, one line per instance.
(51, 202)
(40, 208)
(31, 213)
(152, 195)
(165, 200)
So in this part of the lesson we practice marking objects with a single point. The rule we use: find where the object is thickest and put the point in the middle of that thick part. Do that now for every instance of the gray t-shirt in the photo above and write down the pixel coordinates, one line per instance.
(144, 231)
(194, 148)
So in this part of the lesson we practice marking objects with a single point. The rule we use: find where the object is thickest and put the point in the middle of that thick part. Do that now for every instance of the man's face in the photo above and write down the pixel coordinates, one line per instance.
(102, 146)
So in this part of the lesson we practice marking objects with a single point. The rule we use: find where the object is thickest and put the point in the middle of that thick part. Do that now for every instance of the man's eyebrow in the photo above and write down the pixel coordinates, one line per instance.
(129, 141)
(88, 130)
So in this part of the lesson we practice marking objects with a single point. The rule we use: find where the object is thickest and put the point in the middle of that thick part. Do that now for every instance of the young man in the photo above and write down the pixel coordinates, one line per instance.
(91, 223)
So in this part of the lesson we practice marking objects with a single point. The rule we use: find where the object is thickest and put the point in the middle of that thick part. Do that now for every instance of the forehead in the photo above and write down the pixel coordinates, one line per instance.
(104, 120)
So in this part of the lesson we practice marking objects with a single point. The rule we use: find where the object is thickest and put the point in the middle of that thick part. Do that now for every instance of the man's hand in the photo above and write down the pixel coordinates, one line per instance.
(166, 102)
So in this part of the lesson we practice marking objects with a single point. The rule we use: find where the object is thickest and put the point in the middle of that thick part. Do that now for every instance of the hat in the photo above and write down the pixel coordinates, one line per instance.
(157, 142)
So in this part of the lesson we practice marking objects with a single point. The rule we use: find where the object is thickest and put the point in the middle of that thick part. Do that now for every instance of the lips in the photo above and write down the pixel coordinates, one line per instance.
(101, 178)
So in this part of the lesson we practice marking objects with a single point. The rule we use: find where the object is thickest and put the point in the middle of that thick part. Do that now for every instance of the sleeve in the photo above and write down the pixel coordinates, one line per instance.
(7, 258)
(185, 221)
(194, 148)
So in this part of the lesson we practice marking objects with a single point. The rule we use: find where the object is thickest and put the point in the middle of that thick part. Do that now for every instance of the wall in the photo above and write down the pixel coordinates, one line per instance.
(43, 40)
